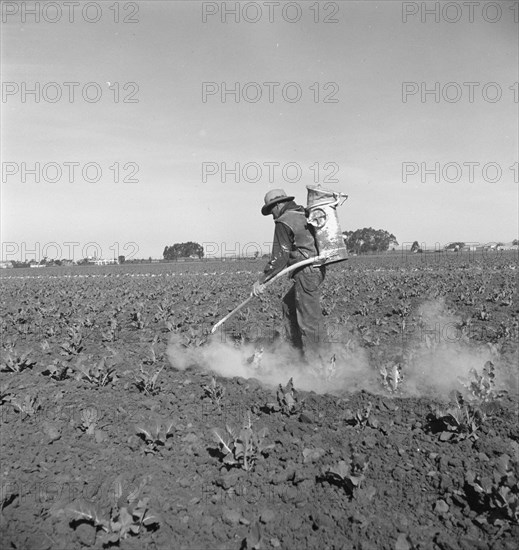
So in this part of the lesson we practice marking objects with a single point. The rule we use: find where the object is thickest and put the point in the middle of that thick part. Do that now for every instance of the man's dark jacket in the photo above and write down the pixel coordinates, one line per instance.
(293, 240)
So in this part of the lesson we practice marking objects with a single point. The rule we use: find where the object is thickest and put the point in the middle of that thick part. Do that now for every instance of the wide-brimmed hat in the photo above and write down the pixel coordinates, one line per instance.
(274, 196)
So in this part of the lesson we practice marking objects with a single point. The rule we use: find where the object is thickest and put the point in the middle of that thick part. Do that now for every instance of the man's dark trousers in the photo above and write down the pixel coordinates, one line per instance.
(302, 313)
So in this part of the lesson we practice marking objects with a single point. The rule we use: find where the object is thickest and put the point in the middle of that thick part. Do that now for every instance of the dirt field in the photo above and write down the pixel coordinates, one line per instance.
(97, 451)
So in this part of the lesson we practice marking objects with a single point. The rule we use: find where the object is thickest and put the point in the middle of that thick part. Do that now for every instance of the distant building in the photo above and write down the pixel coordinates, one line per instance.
(6, 265)
(103, 261)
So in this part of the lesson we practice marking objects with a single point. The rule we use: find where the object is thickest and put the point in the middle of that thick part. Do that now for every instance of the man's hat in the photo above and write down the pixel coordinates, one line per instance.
(274, 196)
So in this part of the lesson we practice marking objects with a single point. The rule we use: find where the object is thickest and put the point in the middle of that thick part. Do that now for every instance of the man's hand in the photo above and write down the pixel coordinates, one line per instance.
(257, 289)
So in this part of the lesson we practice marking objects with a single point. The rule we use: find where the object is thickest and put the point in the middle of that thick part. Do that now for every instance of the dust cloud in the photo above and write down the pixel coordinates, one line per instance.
(275, 363)
(440, 354)
(433, 358)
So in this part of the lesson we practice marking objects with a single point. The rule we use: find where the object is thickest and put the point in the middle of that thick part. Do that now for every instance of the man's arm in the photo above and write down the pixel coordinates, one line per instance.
(281, 247)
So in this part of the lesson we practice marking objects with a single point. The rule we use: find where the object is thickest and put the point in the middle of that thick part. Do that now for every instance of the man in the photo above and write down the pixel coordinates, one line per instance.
(294, 241)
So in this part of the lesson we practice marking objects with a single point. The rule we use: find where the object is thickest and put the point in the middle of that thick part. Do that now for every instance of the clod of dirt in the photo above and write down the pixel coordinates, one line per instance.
(37, 541)
(267, 516)
(100, 436)
(306, 418)
(312, 455)
(190, 438)
(227, 481)
(359, 518)
(134, 442)
(86, 534)
(231, 517)
(51, 431)
(402, 542)
(441, 507)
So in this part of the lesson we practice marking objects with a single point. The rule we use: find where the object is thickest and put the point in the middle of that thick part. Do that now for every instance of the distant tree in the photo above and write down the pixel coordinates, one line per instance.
(368, 239)
(20, 264)
(122, 259)
(515, 242)
(183, 250)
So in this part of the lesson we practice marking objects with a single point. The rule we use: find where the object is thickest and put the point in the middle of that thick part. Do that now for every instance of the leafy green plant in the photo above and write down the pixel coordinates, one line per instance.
(9, 343)
(194, 338)
(27, 406)
(8, 493)
(146, 381)
(45, 346)
(347, 474)
(288, 401)
(74, 344)
(362, 417)
(482, 387)
(391, 376)
(139, 321)
(58, 370)
(255, 359)
(459, 422)
(124, 520)
(17, 362)
(89, 419)
(214, 391)
(5, 392)
(151, 356)
(112, 331)
(155, 434)
(330, 369)
(241, 448)
(100, 374)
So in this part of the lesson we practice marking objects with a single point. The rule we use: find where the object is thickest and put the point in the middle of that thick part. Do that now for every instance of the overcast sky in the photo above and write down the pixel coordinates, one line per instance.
(361, 120)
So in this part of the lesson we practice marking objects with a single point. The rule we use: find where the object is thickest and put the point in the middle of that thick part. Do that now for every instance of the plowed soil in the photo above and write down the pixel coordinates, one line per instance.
(418, 485)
